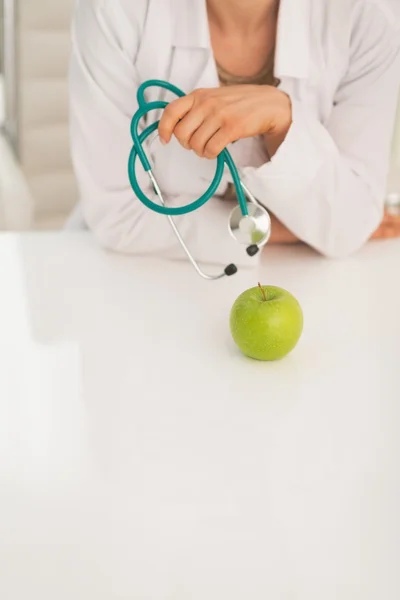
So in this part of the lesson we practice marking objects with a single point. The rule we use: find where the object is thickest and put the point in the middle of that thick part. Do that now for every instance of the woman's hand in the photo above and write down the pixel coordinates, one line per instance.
(280, 234)
(389, 228)
(207, 120)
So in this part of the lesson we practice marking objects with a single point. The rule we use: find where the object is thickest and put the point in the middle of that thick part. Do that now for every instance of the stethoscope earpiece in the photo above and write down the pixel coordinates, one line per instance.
(253, 250)
(230, 270)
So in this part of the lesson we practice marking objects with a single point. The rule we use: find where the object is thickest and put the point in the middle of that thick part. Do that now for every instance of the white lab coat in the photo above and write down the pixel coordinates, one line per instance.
(337, 59)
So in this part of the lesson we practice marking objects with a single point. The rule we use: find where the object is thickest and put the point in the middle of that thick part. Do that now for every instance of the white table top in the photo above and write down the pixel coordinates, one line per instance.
(143, 458)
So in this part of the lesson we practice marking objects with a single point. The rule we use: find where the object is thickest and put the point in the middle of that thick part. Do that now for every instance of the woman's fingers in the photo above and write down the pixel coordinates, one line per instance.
(207, 120)
(173, 113)
(202, 136)
(218, 143)
(392, 226)
(389, 228)
(188, 127)
(203, 133)
(193, 120)
(195, 126)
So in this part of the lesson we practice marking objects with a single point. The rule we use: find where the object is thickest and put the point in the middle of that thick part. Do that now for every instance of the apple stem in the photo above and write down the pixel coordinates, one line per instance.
(263, 292)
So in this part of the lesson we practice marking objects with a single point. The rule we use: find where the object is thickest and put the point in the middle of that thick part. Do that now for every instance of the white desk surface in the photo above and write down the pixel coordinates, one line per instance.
(143, 458)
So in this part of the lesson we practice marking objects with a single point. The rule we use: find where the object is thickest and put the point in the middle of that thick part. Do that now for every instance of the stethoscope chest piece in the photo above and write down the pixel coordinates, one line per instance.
(254, 229)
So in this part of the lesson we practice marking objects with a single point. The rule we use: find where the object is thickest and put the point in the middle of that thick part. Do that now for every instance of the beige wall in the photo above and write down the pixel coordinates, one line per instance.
(396, 140)
(1, 35)
(43, 44)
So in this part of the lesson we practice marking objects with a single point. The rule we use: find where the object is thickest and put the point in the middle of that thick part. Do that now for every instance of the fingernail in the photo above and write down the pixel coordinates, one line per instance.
(163, 142)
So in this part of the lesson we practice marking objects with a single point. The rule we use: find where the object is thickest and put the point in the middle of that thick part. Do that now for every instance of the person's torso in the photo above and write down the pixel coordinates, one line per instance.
(311, 58)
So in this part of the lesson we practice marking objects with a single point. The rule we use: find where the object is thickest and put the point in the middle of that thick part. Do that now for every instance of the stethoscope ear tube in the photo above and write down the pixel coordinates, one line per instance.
(229, 270)
(161, 208)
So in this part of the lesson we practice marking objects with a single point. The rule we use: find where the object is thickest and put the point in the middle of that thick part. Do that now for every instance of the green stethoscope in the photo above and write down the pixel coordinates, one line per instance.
(249, 222)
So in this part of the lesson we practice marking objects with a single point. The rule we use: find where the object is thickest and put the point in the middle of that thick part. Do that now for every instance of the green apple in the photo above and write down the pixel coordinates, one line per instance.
(266, 322)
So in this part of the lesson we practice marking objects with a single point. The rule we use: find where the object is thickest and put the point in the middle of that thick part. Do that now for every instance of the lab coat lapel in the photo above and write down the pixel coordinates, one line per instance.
(175, 46)
(154, 56)
(192, 64)
(292, 57)
(193, 68)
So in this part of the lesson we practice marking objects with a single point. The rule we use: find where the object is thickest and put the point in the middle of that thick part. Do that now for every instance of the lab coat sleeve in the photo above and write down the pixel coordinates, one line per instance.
(327, 181)
(103, 83)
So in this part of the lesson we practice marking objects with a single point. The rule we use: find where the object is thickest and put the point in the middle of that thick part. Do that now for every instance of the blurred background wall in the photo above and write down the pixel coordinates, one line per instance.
(35, 48)
(37, 185)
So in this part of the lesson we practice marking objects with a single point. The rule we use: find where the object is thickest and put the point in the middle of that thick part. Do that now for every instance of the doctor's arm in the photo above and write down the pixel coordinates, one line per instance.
(103, 84)
(327, 182)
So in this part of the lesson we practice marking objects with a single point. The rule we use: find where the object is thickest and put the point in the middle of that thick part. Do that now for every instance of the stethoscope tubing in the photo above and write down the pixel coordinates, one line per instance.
(223, 160)
(138, 152)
